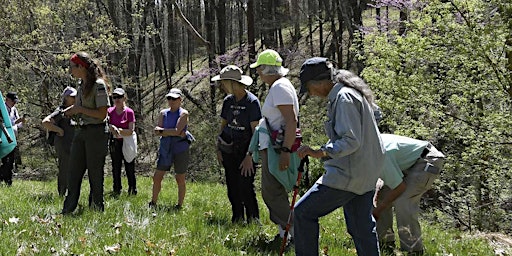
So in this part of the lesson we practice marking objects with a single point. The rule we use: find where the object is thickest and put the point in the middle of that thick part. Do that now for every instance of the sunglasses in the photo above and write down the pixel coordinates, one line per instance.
(171, 98)
(115, 97)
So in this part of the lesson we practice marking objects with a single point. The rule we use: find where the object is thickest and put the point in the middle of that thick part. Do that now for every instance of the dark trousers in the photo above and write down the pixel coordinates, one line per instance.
(7, 168)
(241, 192)
(116, 154)
(88, 151)
(63, 159)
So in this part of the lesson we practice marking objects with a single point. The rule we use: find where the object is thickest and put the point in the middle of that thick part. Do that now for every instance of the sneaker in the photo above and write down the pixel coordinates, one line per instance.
(152, 204)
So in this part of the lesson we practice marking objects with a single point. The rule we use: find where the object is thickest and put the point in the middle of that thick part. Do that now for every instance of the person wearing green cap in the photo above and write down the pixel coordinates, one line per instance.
(280, 110)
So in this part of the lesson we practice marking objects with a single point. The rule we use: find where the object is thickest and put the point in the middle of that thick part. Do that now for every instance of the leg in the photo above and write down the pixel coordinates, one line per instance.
(62, 183)
(249, 197)
(274, 194)
(180, 167)
(7, 167)
(96, 147)
(157, 185)
(130, 175)
(233, 177)
(407, 206)
(319, 201)
(77, 167)
(116, 154)
(361, 224)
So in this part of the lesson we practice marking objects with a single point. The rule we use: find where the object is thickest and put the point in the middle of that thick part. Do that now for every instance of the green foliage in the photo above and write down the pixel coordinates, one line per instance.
(445, 81)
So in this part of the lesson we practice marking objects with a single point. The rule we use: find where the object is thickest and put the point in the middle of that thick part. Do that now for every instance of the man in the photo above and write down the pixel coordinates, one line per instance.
(353, 159)
(11, 98)
(410, 168)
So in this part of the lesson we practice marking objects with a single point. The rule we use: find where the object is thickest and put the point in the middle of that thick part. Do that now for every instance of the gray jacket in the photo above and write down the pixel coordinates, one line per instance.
(355, 148)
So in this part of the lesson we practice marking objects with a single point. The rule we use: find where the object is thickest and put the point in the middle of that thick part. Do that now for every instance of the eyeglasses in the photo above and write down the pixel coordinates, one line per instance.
(171, 98)
(115, 97)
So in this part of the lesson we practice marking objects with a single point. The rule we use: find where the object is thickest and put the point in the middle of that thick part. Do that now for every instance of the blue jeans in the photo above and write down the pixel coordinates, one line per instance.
(321, 200)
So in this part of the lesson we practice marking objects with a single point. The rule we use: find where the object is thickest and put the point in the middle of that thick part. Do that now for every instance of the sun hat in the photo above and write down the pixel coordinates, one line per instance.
(12, 95)
(69, 91)
(232, 72)
(316, 68)
(268, 57)
(174, 93)
(119, 91)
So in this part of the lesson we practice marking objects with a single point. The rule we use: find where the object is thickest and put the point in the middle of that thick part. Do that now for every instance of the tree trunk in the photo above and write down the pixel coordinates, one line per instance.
(221, 19)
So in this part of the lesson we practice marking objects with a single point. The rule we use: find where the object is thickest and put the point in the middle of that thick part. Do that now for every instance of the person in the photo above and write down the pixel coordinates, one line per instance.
(174, 146)
(240, 115)
(121, 123)
(410, 168)
(64, 130)
(353, 157)
(6, 170)
(280, 110)
(90, 142)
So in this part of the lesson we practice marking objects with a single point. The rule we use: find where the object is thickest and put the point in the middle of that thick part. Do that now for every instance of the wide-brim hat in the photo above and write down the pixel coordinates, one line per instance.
(232, 72)
(174, 93)
(316, 68)
(268, 57)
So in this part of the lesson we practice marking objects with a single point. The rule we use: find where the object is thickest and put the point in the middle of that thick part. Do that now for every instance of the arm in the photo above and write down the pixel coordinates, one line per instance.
(49, 124)
(389, 199)
(129, 131)
(289, 134)
(223, 124)
(247, 166)
(99, 113)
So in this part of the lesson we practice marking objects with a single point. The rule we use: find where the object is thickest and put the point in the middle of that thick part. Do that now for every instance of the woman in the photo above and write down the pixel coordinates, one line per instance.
(281, 111)
(240, 115)
(63, 127)
(121, 123)
(174, 146)
(90, 142)
(353, 159)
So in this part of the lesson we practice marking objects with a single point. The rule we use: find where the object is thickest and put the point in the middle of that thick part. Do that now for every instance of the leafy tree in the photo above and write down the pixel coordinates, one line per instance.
(446, 79)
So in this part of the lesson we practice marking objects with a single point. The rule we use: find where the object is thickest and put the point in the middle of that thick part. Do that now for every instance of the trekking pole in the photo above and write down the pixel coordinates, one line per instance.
(305, 161)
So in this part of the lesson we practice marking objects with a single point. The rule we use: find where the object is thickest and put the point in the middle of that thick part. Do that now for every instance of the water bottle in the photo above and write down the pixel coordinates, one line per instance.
(280, 137)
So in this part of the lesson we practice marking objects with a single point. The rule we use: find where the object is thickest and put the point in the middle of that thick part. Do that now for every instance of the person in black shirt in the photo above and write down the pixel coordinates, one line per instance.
(240, 115)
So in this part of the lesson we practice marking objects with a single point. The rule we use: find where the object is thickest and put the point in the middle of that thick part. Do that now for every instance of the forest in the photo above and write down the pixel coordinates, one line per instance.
(441, 70)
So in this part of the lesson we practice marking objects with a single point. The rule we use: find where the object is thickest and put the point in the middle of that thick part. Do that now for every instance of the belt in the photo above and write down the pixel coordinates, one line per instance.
(426, 150)
(85, 126)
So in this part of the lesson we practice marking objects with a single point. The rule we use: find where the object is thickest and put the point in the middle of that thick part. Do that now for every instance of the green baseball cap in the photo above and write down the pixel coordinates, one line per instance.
(268, 57)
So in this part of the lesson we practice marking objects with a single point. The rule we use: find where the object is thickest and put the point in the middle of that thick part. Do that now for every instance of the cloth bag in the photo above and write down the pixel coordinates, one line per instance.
(130, 147)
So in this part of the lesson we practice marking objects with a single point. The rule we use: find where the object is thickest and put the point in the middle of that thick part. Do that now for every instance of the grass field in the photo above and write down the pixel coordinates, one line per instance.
(30, 225)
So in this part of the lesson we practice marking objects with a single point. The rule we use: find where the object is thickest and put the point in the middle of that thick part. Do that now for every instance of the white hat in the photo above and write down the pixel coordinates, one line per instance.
(232, 72)
(174, 93)
(69, 91)
(118, 91)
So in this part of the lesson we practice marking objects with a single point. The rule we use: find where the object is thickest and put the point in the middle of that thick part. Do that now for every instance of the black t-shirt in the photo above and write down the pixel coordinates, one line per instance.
(239, 116)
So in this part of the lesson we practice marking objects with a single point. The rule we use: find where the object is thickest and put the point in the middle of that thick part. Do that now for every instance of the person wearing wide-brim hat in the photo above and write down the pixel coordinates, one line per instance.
(240, 115)
(280, 111)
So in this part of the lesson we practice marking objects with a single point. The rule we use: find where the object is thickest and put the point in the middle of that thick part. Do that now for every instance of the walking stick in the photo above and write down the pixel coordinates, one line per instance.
(304, 160)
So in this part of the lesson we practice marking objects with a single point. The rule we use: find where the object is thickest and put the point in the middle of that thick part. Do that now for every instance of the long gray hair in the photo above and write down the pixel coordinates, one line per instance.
(352, 80)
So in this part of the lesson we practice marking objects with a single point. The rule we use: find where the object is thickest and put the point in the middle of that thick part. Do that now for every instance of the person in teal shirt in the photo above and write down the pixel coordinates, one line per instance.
(410, 168)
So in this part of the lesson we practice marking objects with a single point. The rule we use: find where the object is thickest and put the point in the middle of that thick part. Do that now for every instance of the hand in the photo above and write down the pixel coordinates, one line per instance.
(219, 157)
(247, 166)
(376, 214)
(304, 151)
(60, 132)
(72, 110)
(158, 131)
(284, 161)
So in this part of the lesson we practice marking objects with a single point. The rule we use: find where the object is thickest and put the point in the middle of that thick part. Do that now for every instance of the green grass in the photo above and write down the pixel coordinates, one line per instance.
(30, 225)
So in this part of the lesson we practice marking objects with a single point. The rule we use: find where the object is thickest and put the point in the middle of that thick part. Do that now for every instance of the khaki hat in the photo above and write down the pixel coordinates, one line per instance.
(174, 93)
(232, 72)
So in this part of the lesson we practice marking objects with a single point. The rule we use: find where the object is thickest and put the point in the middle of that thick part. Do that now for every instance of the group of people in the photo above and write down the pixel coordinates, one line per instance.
(366, 172)
(87, 127)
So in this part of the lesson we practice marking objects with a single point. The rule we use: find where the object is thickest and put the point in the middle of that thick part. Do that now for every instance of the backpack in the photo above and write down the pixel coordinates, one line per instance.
(7, 138)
